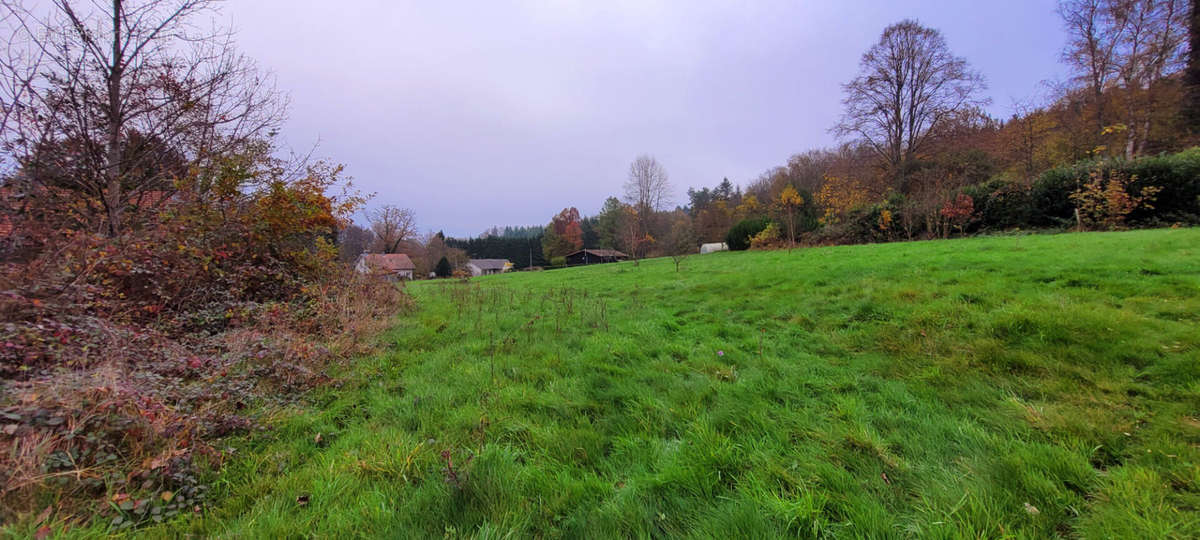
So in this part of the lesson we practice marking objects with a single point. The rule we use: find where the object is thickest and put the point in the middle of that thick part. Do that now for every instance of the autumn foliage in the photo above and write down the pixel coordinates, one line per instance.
(1107, 200)
(128, 357)
(564, 235)
(839, 195)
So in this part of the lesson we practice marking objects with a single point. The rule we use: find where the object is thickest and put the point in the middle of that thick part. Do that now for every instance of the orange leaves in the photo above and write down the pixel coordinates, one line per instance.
(1107, 199)
(959, 209)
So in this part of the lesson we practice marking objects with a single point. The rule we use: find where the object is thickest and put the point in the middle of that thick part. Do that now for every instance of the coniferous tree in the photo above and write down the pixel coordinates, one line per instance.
(443, 268)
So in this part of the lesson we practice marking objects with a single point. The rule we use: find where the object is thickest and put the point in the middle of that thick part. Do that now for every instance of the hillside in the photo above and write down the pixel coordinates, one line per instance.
(1019, 385)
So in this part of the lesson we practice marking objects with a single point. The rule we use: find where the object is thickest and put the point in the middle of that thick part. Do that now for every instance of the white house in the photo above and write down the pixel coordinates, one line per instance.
(392, 266)
(483, 267)
(713, 248)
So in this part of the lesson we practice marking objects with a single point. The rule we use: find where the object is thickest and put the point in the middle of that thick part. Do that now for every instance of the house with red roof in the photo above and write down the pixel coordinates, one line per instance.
(391, 266)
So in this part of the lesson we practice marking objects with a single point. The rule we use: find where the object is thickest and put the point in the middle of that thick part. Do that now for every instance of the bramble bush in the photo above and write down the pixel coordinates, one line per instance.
(126, 359)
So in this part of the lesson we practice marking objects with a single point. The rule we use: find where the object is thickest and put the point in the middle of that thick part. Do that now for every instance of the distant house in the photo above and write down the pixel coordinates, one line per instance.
(713, 248)
(595, 256)
(392, 266)
(485, 267)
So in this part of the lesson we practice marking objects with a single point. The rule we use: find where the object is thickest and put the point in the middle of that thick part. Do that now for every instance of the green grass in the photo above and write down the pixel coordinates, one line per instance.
(1021, 386)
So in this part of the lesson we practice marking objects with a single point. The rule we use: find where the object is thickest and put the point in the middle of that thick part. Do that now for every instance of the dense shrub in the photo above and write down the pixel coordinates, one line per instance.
(1001, 204)
(862, 225)
(1050, 196)
(738, 238)
(124, 358)
(1177, 177)
(770, 237)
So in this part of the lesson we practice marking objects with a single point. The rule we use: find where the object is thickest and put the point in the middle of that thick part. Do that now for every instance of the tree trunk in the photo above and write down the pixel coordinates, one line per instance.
(112, 157)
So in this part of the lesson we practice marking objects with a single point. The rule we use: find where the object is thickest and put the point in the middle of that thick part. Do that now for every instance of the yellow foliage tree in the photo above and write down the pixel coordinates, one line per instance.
(790, 202)
(750, 207)
(840, 195)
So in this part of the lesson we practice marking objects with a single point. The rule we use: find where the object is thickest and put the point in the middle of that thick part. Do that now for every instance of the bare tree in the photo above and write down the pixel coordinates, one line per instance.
(908, 82)
(1131, 44)
(392, 226)
(1152, 47)
(354, 241)
(648, 188)
(1093, 31)
(98, 78)
(647, 191)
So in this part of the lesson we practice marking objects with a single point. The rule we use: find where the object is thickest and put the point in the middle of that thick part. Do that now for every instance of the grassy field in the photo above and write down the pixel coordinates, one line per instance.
(1020, 386)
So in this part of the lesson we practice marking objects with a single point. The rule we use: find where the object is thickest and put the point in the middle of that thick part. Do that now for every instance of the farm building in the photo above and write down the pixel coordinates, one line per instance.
(713, 247)
(595, 256)
(484, 267)
(392, 266)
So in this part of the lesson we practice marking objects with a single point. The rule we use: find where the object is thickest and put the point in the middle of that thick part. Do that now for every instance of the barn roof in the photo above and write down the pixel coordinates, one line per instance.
(490, 264)
(388, 262)
(601, 253)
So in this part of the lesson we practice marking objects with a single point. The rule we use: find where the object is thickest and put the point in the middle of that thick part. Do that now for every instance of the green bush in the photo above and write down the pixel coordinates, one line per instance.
(1050, 197)
(1176, 175)
(558, 262)
(1001, 204)
(738, 238)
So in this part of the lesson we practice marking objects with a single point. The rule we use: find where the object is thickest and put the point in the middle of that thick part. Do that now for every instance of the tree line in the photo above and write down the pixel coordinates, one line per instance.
(919, 157)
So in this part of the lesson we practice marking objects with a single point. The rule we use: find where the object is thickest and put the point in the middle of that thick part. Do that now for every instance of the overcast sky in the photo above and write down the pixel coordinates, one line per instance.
(502, 113)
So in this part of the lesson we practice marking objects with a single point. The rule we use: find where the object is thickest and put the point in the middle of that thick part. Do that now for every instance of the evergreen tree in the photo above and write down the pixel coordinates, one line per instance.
(608, 223)
(443, 268)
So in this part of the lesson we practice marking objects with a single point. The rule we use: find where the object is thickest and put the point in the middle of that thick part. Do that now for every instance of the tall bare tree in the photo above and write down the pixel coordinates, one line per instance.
(1127, 44)
(392, 226)
(647, 191)
(1153, 46)
(100, 78)
(908, 82)
(353, 241)
(648, 187)
(1094, 30)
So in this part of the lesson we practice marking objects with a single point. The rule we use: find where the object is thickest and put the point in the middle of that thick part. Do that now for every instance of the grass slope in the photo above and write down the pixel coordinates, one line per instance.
(1010, 386)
